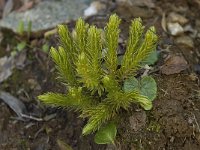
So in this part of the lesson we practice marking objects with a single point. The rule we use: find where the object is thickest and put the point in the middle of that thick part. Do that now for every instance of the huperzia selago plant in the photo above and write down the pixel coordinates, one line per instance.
(97, 85)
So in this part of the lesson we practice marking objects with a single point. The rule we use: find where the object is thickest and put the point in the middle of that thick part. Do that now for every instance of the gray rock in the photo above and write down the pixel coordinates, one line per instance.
(47, 14)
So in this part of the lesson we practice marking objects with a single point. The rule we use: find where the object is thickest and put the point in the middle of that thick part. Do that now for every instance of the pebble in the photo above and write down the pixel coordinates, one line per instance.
(94, 8)
(185, 40)
(46, 15)
(175, 28)
(174, 17)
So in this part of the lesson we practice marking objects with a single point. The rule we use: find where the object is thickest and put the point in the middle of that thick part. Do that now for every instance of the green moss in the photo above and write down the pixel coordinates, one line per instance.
(154, 126)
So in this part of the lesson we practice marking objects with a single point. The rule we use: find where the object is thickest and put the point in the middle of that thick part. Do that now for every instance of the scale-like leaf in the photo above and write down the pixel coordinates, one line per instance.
(130, 65)
(97, 116)
(89, 62)
(134, 41)
(80, 35)
(74, 99)
(111, 39)
(63, 65)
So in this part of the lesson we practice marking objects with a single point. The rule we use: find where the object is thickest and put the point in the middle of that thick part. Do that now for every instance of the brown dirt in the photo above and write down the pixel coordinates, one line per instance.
(174, 121)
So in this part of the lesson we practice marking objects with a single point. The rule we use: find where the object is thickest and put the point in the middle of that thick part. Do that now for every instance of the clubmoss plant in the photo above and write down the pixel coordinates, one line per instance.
(87, 62)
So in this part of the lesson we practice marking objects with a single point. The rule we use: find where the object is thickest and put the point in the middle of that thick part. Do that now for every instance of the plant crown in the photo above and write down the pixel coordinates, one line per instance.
(87, 62)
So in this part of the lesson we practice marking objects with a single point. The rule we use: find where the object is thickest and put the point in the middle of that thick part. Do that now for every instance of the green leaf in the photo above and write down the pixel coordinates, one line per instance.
(131, 84)
(151, 59)
(146, 86)
(106, 135)
(21, 46)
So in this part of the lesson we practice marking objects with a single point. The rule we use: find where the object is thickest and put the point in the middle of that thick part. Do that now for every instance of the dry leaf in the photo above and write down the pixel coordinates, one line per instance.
(8, 63)
(163, 22)
(173, 65)
(15, 104)
(185, 40)
(6, 66)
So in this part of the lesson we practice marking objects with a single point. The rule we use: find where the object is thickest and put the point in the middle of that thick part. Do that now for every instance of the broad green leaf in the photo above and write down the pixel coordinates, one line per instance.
(131, 84)
(146, 86)
(151, 59)
(106, 135)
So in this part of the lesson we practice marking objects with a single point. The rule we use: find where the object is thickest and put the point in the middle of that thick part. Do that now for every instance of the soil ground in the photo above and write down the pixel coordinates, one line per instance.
(172, 124)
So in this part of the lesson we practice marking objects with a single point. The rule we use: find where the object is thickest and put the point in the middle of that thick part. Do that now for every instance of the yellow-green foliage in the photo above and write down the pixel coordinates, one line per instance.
(87, 62)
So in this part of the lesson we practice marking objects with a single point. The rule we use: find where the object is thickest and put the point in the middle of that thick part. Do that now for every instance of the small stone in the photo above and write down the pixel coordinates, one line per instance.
(94, 8)
(185, 40)
(133, 8)
(46, 14)
(175, 28)
(172, 139)
(6, 66)
(174, 17)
